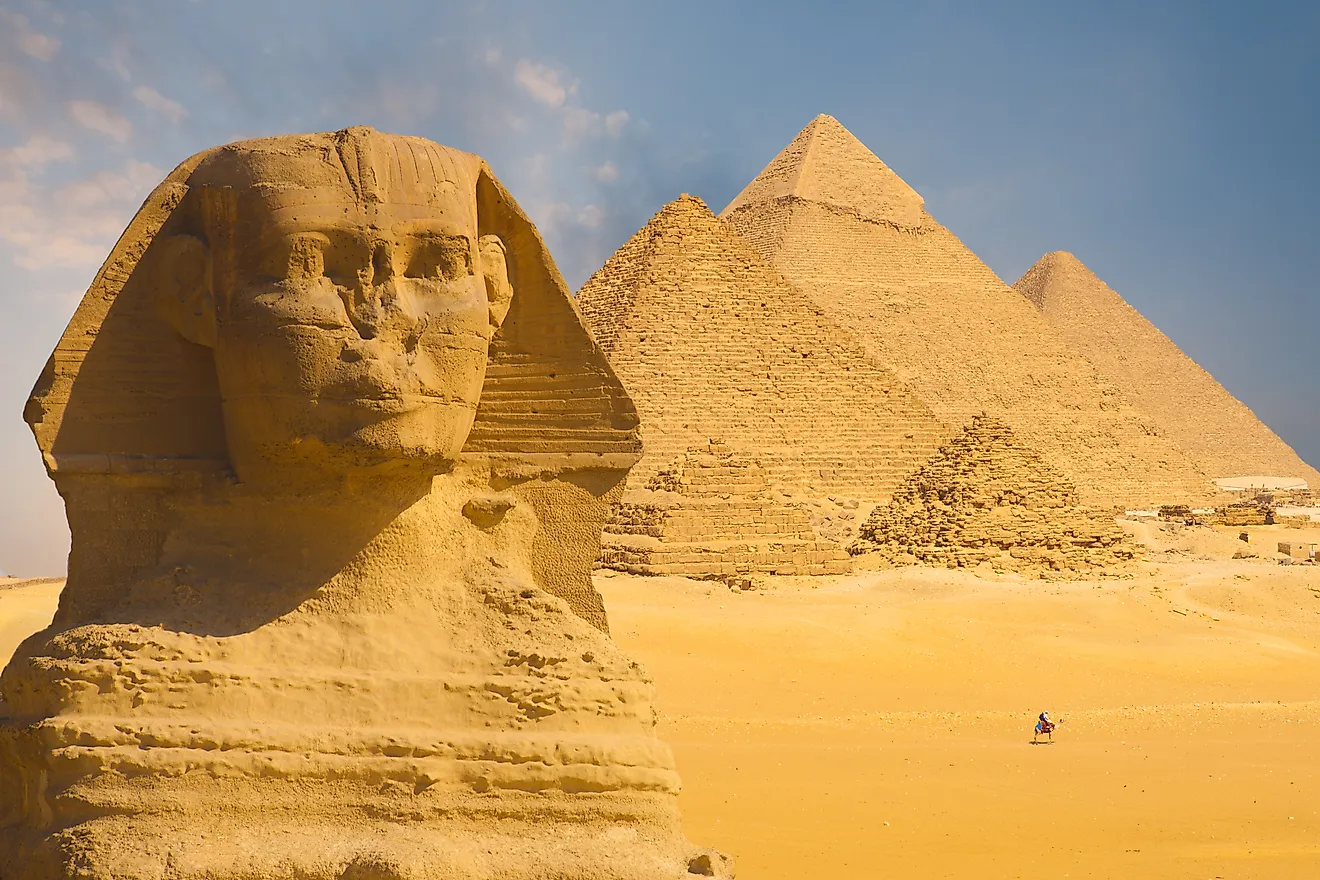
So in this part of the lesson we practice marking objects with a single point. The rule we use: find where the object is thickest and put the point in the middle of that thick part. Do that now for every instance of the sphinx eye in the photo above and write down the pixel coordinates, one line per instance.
(441, 258)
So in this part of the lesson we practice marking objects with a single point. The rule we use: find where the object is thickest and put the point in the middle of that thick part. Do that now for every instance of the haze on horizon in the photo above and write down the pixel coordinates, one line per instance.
(1172, 151)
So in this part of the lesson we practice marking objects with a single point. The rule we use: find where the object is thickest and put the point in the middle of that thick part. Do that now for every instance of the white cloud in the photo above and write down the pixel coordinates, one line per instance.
(31, 41)
(494, 56)
(149, 97)
(545, 84)
(579, 121)
(607, 173)
(615, 122)
(591, 216)
(73, 225)
(98, 117)
(38, 152)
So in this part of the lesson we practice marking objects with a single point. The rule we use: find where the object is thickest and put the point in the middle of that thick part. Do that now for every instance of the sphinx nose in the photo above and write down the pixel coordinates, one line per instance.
(385, 304)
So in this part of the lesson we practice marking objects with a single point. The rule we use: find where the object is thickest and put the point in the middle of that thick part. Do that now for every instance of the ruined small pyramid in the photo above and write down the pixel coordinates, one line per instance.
(1216, 429)
(710, 513)
(710, 341)
(986, 497)
(845, 229)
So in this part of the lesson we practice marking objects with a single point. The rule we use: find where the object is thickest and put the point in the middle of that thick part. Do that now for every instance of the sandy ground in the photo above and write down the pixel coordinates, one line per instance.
(25, 607)
(879, 725)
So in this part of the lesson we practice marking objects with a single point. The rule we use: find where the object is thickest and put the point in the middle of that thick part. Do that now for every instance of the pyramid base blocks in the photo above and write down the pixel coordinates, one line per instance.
(709, 514)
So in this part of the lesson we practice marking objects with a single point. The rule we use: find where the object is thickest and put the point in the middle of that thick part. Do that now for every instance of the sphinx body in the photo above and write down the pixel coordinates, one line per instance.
(336, 453)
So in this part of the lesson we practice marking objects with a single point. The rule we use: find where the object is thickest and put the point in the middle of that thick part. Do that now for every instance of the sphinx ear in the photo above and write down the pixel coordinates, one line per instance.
(188, 289)
(495, 271)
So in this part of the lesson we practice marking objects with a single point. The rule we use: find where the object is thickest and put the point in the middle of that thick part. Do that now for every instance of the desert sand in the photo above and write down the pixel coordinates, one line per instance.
(880, 724)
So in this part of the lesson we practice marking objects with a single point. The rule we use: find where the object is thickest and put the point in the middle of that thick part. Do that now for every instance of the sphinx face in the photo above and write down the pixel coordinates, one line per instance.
(353, 336)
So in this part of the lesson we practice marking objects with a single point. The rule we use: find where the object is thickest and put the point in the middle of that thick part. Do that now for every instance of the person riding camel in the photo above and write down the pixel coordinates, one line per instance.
(1044, 726)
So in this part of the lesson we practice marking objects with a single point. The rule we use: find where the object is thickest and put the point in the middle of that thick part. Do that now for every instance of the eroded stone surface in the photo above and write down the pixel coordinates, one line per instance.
(336, 452)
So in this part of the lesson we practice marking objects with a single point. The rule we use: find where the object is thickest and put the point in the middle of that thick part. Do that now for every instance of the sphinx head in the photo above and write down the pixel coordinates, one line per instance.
(347, 294)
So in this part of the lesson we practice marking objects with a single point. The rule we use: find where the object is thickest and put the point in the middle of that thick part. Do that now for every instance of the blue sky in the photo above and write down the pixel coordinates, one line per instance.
(1171, 146)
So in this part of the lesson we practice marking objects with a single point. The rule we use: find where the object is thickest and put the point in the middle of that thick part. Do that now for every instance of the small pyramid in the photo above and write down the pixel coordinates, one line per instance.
(1217, 430)
(710, 341)
(985, 497)
(847, 231)
(710, 513)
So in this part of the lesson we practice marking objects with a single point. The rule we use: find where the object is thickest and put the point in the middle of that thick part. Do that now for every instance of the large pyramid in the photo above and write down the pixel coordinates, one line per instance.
(843, 227)
(710, 341)
(1217, 430)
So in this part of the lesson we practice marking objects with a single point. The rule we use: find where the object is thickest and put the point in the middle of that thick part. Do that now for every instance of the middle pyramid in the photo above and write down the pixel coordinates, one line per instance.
(710, 341)
(847, 230)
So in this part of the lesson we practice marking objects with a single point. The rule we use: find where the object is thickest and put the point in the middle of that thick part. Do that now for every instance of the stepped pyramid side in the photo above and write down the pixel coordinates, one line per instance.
(984, 497)
(710, 341)
(1215, 428)
(951, 330)
(710, 513)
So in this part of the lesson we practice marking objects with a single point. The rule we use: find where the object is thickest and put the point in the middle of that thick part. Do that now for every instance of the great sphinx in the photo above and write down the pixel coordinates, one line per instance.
(335, 451)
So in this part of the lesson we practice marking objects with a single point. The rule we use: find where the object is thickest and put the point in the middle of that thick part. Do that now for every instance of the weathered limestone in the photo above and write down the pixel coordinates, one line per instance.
(336, 452)
(710, 513)
(710, 341)
(844, 228)
(1217, 430)
(986, 498)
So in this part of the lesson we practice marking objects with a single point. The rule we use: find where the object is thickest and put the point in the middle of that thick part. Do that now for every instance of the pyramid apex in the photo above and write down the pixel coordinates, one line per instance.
(1053, 276)
(826, 164)
(685, 205)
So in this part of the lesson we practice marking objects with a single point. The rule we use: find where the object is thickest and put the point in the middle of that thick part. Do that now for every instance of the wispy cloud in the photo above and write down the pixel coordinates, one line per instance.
(607, 172)
(99, 117)
(38, 152)
(546, 84)
(31, 41)
(149, 97)
(614, 122)
(67, 225)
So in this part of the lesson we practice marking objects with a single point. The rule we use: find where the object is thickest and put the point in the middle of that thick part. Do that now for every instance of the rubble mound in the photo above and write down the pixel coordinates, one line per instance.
(987, 498)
